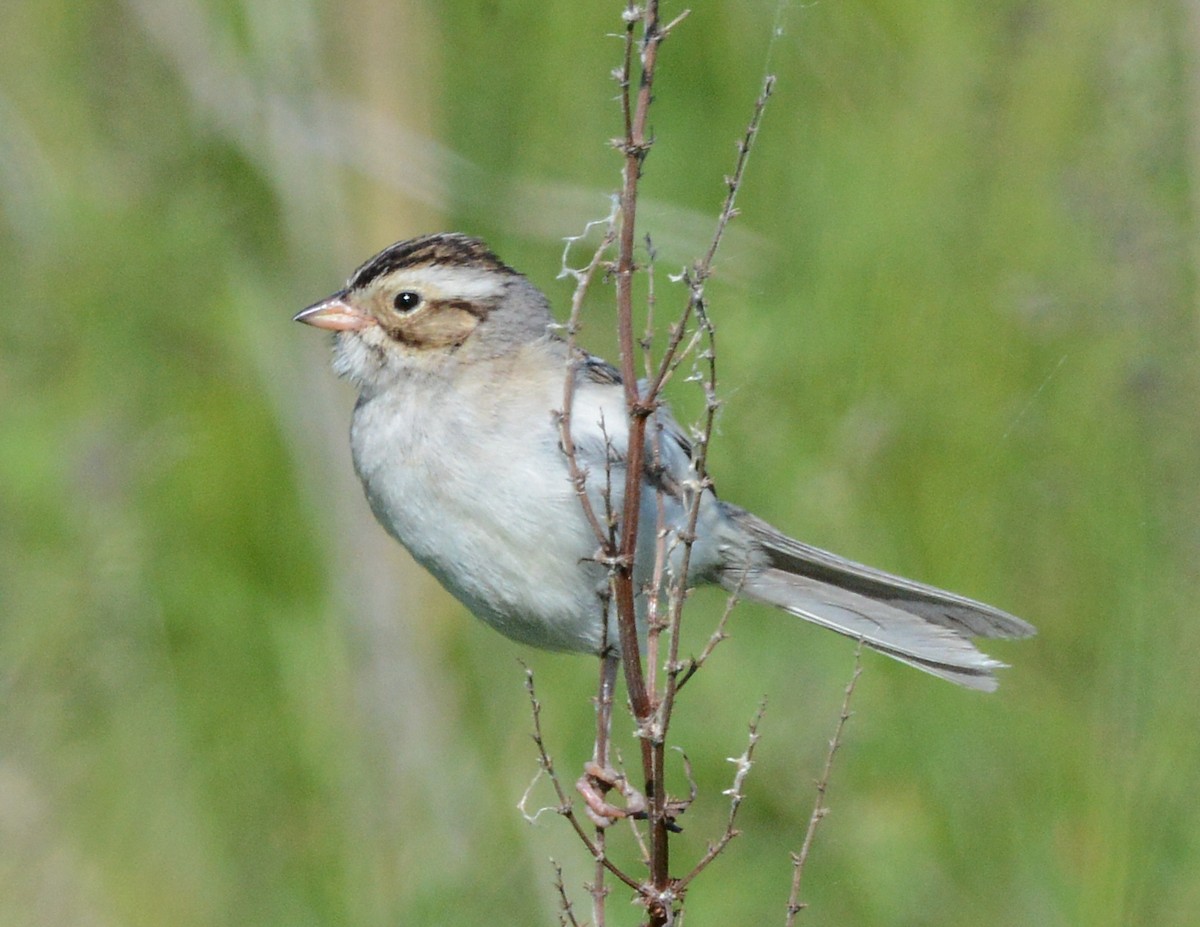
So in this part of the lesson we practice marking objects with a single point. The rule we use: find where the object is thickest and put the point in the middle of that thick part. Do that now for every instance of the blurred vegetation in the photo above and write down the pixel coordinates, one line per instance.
(958, 333)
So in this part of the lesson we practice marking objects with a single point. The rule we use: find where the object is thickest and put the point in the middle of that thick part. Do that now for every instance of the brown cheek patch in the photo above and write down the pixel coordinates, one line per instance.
(444, 327)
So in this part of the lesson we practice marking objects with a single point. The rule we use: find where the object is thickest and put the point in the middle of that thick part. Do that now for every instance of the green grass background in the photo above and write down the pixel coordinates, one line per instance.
(958, 339)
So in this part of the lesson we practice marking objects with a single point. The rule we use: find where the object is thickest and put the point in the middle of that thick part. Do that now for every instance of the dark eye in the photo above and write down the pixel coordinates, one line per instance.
(406, 300)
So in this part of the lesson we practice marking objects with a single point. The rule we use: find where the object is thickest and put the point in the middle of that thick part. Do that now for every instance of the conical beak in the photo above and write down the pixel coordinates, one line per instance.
(334, 314)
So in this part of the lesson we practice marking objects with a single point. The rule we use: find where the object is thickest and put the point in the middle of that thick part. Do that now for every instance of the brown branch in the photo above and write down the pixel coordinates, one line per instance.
(795, 905)
(618, 548)
(652, 731)
(635, 145)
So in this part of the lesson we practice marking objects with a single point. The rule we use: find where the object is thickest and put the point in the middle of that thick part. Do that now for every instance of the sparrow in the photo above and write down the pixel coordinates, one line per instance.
(460, 370)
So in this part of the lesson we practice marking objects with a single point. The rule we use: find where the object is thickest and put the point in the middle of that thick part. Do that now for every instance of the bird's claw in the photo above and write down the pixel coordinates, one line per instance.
(598, 780)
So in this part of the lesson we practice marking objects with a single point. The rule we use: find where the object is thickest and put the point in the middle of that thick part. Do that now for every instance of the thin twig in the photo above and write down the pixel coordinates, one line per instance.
(566, 911)
(795, 905)
(655, 622)
(583, 280)
(734, 182)
(700, 483)
(702, 269)
(651, 303)
(546, 766)
(718, 635)
(601, 756)
(736, 795)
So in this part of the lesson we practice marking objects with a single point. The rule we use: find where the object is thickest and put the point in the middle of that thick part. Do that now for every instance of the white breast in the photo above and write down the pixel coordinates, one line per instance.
(467, 473)
(469, 477)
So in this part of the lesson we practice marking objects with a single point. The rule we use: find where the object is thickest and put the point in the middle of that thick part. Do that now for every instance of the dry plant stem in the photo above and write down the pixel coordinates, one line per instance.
(733, 182)
(655, 624)
(795, 905)
(651, 712)
(736, 794)
(653, 730)
(635, 145)
(718, 635)
(651, 302)
(604, 701)
(566, 912)
(609, 664)
(583, 280)
(702, 269)
(564, 803)
(696, 279)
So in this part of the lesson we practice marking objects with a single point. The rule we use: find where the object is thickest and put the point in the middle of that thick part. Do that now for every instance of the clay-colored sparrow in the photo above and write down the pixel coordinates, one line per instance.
(456, 440)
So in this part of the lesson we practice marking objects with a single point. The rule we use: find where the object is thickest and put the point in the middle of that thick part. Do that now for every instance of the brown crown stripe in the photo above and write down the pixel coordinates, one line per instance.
(443, 248)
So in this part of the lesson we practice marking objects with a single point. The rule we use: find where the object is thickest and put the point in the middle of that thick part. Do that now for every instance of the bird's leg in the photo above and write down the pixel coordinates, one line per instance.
(599, 777)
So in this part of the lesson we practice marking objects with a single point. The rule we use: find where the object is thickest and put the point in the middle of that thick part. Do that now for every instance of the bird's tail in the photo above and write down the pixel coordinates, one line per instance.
(917, 624)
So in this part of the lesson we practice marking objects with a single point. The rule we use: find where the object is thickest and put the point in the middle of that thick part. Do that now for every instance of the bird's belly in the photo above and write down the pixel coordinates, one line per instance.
(486, 504)
(512, 545)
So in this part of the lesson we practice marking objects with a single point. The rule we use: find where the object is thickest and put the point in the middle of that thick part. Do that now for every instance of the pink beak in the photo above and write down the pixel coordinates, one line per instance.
(334, 314)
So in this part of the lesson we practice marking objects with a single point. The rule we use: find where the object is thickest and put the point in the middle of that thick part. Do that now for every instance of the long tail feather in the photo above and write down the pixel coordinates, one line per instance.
(921, 625)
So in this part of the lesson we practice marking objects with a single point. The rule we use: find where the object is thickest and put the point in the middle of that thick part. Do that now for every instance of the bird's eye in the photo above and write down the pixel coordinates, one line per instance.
(406, 300)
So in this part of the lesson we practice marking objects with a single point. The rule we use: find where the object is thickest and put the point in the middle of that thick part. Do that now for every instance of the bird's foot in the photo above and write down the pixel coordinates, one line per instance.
(596, 782)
